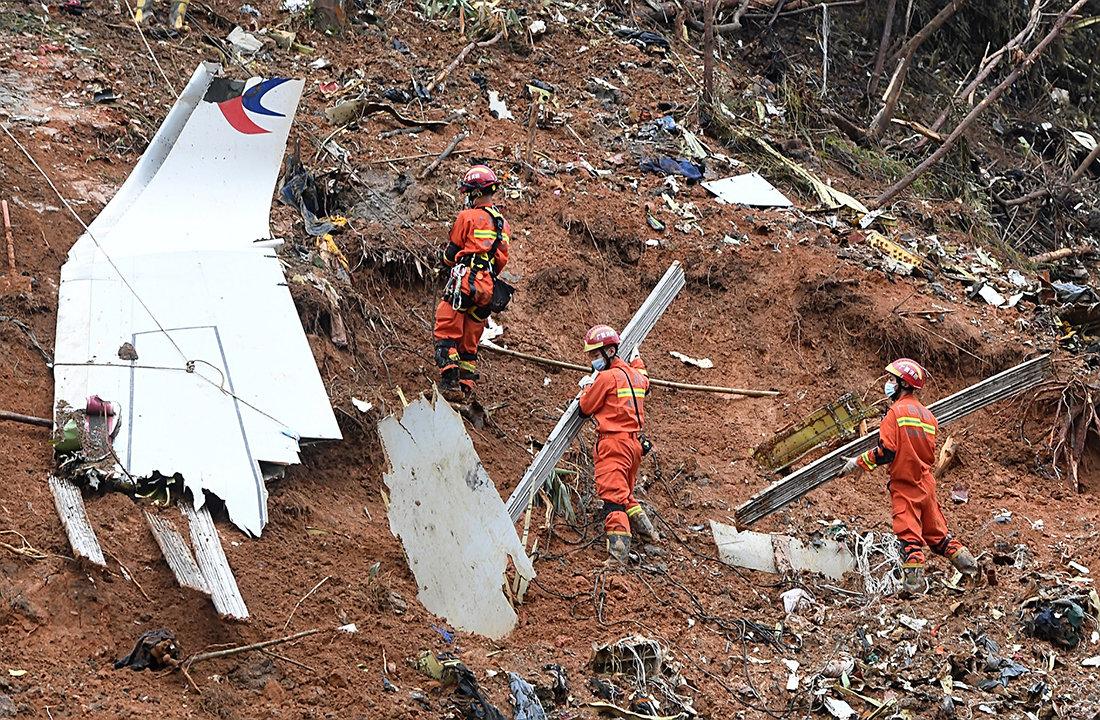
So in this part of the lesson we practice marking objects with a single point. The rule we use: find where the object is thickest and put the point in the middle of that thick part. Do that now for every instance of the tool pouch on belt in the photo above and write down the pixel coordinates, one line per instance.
(645, 442)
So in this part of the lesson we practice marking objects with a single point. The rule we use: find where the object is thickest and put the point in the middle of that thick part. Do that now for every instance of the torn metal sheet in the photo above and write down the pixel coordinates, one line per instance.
(749, 189)
(212, 563)
(450, 519)
(780, 553)
(179, 268)
(70, 507)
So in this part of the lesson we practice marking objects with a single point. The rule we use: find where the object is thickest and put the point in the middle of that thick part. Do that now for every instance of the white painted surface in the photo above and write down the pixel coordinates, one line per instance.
(780, 553)
(450, 519)
(188, 235)
(748, 189)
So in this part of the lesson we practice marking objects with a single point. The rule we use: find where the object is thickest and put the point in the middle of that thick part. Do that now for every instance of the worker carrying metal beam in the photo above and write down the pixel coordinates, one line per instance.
(476, 255)
(907, 443)
(615, 398)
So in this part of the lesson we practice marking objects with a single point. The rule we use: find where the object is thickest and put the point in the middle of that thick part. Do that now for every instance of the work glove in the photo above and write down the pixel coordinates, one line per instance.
(586, 381)
(850, 466)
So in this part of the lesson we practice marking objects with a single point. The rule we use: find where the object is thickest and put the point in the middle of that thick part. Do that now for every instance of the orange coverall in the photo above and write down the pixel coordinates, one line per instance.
(907, 442)
(457, 332)
(618, 455)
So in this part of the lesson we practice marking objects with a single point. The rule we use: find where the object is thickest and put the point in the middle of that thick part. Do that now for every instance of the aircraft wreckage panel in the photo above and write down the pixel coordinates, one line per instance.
(450, 519)
(179, 265)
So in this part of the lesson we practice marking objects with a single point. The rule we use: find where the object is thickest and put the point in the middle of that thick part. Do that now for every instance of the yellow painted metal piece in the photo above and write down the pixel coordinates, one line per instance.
(839, 419)
(891, 249)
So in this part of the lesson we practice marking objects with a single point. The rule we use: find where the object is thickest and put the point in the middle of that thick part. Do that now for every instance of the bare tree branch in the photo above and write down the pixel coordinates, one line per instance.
(1059, 25)
(880, 59)
(893, 93)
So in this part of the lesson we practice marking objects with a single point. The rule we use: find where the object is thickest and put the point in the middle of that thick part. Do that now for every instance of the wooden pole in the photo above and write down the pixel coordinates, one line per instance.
(949, 142)
(652, 381)
(8, 238)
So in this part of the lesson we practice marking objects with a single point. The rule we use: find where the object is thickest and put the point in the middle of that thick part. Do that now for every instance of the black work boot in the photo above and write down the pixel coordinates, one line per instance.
(964, 561)
(641, 524)
(449, 386)
(618, 547)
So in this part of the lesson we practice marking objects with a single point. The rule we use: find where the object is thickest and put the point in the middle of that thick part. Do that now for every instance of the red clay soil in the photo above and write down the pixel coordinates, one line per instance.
(779, 311)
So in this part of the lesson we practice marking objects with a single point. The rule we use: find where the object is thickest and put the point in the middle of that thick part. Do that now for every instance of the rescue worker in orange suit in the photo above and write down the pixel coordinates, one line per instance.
(476, 254)
(615, 398)
(907, 443)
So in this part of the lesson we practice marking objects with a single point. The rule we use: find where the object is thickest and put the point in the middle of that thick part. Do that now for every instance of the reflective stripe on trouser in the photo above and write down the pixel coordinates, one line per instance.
(918, 521)
(461, 331)
(618, 457)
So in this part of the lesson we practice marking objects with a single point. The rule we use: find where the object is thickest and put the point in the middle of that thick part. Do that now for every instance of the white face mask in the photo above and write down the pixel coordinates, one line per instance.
(599, 364)
(890, 388)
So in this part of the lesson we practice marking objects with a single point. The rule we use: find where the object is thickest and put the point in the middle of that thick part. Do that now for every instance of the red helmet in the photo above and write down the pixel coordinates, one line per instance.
(479, 177)
(909, 371)
(600, 336)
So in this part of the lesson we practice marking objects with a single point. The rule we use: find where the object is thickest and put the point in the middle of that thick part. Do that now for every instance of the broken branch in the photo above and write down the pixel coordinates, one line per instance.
(443, 155)
(949, 142)
(254, 646)
(458, 61)
(884, 43)
(26, 419)
(652, 381)
(1062, 254)
(897, 81)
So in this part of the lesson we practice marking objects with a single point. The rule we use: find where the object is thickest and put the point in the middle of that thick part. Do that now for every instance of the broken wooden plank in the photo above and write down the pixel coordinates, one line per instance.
(569, 425)
(176, 553)
(1001, 386)
(74, 518)
(213, 563)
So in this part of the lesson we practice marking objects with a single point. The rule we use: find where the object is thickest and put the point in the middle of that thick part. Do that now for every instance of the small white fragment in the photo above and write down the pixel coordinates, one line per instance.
(361, 405)
(349, 628)
(498, 107)
(839, 709)
(537, 28)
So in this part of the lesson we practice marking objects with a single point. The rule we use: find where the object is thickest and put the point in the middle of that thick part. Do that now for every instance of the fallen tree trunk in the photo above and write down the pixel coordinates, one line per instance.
(1059, 24)
(1062, 254)
(652, 381)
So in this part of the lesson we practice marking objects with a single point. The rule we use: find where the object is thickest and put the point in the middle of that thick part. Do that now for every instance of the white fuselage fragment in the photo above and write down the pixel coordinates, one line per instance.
(450, 519)
(180, 264)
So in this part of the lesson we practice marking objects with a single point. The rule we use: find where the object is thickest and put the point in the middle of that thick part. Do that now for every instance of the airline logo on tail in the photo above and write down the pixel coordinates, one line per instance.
(234, 109)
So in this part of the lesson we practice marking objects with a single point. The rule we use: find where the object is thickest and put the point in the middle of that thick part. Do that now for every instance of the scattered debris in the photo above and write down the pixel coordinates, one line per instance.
(839, 419)
(524, 699)
(498, 108)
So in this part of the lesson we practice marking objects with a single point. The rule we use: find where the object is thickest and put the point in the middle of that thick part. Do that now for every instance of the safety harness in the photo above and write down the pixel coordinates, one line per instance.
(477, 263)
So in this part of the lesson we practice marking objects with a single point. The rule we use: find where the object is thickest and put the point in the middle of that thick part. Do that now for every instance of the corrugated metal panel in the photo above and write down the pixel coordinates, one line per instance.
(74, 518)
